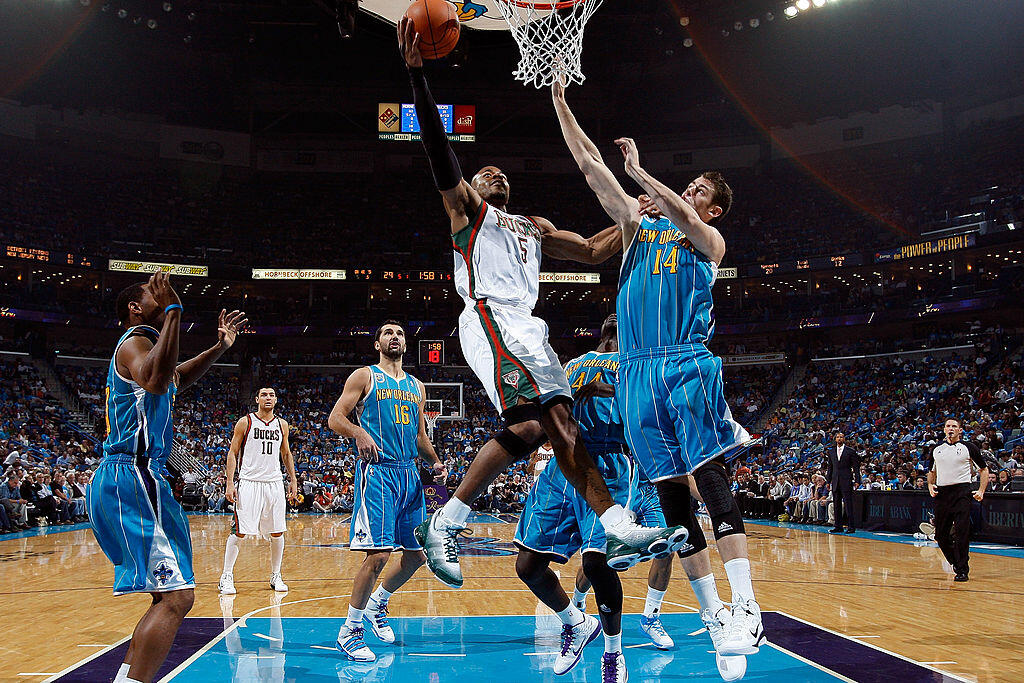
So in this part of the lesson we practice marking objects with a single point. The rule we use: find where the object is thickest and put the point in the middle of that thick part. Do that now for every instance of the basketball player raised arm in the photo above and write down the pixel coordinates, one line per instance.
(461, 199)
(357, 386)
(706, 238)
(424, 447)
(152, 366)
(228, 325)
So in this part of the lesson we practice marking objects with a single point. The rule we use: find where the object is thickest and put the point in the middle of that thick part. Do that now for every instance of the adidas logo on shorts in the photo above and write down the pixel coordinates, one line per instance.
(511, 378)
(723, 527)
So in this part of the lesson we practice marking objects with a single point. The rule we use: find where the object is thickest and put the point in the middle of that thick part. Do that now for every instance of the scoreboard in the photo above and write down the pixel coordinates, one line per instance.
(431, 352)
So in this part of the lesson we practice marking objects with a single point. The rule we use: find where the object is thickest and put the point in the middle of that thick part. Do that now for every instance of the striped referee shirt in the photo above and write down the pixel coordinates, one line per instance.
(952, 462)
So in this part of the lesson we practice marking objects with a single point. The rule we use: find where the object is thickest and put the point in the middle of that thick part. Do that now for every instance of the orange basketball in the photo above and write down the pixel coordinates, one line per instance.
(438, 25)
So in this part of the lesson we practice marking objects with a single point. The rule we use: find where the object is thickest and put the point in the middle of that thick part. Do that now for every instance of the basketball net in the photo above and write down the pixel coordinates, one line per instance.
(431, 417)
(550, 38)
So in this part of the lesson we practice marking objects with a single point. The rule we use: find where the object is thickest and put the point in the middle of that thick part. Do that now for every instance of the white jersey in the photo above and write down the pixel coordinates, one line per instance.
(261, 450)
(497, 257)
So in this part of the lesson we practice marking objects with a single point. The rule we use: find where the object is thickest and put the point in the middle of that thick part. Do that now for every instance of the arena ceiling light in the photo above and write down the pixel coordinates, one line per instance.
(803, 5)
(791, 11)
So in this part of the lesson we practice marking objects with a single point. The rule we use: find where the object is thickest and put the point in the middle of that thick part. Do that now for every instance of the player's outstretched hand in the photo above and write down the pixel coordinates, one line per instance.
(228, 326)
(163, 293)
(409, 43)
(649, 208)
(595, 388)
(629, 152)
(440, 472)
(366, 446)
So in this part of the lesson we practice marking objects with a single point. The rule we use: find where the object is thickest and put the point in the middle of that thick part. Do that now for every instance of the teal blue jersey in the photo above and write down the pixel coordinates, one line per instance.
(390, 413)
(664, 290)
(138, 422)
(600, 424)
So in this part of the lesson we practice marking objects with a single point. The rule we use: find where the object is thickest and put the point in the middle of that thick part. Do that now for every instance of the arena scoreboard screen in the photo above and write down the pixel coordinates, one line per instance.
(398, 121)
(431, 352)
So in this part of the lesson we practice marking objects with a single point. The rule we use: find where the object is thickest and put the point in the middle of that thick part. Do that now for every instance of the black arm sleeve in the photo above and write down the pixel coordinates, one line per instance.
(443, 164)
(975, 453)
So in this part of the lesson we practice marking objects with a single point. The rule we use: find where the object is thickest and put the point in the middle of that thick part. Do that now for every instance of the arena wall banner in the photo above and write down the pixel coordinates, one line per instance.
(122, 266)
(999, 518)
(297, 274)
(728, 273)
(926, 248)
(572, 278)
(754, 359)
(436, 496)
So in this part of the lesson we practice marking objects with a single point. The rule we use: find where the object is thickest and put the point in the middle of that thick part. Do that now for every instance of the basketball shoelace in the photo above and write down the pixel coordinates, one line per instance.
(355, 640)
(380, 615)
(610, 667)
(567, 634)
(451, 543)
(657, 628)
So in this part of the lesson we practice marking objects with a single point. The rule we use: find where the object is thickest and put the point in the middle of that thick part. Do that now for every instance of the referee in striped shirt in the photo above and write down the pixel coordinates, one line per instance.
(949, 483)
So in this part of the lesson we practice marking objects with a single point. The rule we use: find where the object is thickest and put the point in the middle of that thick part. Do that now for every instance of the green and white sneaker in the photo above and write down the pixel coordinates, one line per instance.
(629, 544)
(439, 537)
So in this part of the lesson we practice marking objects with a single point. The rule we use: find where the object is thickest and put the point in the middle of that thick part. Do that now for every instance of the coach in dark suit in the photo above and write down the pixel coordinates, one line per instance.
(843, 472)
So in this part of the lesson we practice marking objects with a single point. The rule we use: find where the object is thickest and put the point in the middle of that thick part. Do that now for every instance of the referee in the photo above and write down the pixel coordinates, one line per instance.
(949, 483)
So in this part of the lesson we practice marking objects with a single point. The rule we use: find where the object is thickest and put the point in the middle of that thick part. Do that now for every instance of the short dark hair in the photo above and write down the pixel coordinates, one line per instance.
(376, 337)
(266, 387)
(723, 193)
(959, 422)
(126, 296)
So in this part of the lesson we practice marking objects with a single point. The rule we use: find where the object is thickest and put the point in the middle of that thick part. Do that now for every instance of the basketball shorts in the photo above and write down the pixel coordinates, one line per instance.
(674, 411)
(648, 507)
(558, 522)
(508, 349)
(140, 527)
(388, 506)
(259, 508)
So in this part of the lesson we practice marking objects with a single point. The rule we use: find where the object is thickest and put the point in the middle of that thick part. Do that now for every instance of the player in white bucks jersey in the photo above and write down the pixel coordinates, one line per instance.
(259, 446)
(497, 272)
(390, 433)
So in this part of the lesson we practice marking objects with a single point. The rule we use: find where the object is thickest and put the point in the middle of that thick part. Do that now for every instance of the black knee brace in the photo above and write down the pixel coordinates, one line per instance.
(524, 412)
(607, 586)
(678, 506)
(713, 485)
(516, 446)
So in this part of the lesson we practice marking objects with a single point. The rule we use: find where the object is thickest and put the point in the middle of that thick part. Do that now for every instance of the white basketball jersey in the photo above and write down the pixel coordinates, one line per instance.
(497, 257)
(544, 454)
(261, 450)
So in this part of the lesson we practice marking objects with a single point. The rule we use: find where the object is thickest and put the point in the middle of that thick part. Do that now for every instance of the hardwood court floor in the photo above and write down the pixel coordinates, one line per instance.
(58, 609)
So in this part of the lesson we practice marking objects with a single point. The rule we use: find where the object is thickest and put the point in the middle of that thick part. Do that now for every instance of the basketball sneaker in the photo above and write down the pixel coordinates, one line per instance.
(745, 633)
(655, 630)
(628, 543)
(613, 668)
(377, 615)
(439, 537)
(351, 643)
(226, 585)
(277, 583)
(574, 639)
(730, 668)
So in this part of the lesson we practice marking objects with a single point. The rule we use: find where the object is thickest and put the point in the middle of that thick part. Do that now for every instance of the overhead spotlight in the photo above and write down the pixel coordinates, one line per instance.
(136, 20)
(122, 13)
(187, 39)
(769, 16)
(755, 22)
(791, 11)
(725, 32)
(819, 3)
(688, 42)
(803, 5)
(151, 24)
(191, 16)
(738, 26)
(168, 7)
(684, 21)
(105, 7)
(84, 3)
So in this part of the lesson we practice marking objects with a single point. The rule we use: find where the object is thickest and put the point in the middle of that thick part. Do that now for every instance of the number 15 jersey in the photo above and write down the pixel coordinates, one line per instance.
(390, 413)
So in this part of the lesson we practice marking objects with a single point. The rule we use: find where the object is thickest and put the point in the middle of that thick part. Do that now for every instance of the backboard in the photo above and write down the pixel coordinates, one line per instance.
(476, 14)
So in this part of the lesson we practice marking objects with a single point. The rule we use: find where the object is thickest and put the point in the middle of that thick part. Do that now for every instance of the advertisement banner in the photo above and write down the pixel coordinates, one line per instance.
(754, 359)
(122, 266)
(297, 274)
(728, 273)
(572, 278)
(999, 518)
(436, 495)
(926, 248)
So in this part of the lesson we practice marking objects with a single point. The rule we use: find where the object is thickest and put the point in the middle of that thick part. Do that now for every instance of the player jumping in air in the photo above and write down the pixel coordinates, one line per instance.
(389, 503)
(670, 387)
(136, 521)
(497, 273)
(259, 445)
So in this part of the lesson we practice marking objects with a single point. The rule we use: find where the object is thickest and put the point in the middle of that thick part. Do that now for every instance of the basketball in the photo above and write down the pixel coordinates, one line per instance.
(438, 26)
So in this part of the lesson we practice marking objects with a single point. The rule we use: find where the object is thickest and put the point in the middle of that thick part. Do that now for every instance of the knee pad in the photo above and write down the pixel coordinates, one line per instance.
(713, 485)
(557, 400)
(524, 412)
(678, 506)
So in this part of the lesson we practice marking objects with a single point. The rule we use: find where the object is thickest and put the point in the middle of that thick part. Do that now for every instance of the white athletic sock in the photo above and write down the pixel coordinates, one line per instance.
(381, 595)
(456, 511)
(738, 571)
(613, 515)
(231, 553)
(122, 673)
(355, 617)
(570, 615)
(131, 680)
(579, 597)
(613, 643)
(653, 604)
(276, 553)
(707, 593)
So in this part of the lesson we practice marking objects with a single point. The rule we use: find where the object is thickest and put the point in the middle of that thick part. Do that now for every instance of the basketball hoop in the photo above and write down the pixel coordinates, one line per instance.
(550, 38)
(431, 417)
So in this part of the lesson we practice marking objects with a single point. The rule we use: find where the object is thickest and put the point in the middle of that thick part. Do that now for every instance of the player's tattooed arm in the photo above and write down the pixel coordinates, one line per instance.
(356, 387)
(619, 206)
(704, 237)
(570, 246)
(423, 445)
(289, 461)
